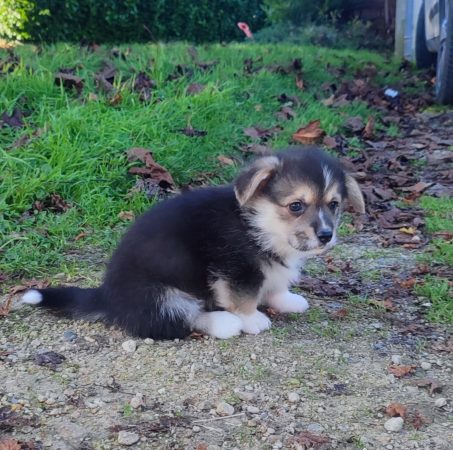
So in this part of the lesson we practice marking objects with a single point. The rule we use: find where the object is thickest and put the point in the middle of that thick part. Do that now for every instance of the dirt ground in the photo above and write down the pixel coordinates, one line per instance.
(322, 376)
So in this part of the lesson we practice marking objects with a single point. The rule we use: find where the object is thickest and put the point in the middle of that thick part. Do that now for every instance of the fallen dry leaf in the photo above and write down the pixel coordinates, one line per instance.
(225, 160)
(417, 420)
(340, 314)
(69, 82)
(116, 99)
(53, 203)
(257, 149)
(307, 440)
(309, 134)
(433, 385)
(401, 371)
(195, 88)
(396, 410)
(300, 82)
(152, 169)
(143, 85)
(14, 120)
(329, 142)
(368, 131)
(262, 133)
(9, 444)
(354, 124)
(192, 132)
(126, 216)
(6, 306)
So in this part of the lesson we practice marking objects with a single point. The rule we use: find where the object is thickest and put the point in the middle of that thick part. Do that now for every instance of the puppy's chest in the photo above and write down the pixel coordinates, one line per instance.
(277, 278)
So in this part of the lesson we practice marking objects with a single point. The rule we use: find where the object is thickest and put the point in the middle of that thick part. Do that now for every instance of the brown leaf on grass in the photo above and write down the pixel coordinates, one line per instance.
(329, 142)
(262, 133)
(401, 371)
(69, 82)
(307, 440)
(143, 85)
(285, 113)
(225, 160)
(53, 203)
(116, 99)
(195, 88)
(9, 444)
(193, 53)
(6, 306)
(105, 78)
(384, 304)
(14, 120)
(192, 132)
(354, 124)
(289, 100)
(80, 236)
(257, 149)
(418, 187)
(26, 138)
(309, 134)
(433, 385)
(300, 82)
(368, 131)
(126, 216)
(151, 170)
(396, 410)
(445, 235)
(407, 284)
(29, 284)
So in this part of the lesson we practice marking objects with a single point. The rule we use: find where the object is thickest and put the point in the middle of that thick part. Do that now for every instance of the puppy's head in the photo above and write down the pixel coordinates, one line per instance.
(294, 199)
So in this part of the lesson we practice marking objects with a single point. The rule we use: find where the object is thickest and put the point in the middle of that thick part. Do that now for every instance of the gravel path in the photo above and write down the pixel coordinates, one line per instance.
(320, 380)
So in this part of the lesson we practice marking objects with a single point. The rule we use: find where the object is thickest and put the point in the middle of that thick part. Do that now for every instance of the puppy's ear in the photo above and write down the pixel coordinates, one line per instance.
(253, 178)
(355, 197)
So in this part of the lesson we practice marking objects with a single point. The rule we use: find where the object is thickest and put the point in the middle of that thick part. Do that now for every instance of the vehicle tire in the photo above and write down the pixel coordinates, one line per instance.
(423, 57)
(444, 69)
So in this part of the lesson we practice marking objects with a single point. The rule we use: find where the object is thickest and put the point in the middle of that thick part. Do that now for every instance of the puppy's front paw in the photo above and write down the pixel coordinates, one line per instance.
(287, 302)
(254, 323)
(220, 324)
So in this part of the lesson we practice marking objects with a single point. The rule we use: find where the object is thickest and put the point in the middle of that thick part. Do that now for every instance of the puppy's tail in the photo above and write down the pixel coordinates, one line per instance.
(70, 301)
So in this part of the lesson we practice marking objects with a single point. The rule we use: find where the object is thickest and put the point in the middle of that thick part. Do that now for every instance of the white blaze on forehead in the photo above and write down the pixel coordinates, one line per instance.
(328, 177)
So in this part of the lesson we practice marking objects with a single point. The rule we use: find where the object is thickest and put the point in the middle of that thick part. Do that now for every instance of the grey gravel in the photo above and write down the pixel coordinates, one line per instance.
(127, 438)
(394, 424)
(129, 346)
(224, 409)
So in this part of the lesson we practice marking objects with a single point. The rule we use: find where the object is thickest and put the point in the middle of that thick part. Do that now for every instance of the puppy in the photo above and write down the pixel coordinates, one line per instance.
(206, 259)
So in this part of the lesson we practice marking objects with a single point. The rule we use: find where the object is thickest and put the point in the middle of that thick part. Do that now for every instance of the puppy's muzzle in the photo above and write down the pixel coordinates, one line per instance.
(325, 235)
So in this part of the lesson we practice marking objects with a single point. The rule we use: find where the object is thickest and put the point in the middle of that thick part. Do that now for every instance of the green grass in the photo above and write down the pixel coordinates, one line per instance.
(81, 153)
(439, 217)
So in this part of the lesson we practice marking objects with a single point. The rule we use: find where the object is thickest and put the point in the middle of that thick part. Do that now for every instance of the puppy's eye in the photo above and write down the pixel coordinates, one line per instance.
(333, 206)
(296, 207)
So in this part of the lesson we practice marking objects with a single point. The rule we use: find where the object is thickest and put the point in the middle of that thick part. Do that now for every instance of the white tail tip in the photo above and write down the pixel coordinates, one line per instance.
(32, 297)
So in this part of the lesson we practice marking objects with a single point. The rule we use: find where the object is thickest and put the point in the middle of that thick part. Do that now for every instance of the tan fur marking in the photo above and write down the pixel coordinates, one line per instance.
(332, 194)
(355, 196)
(230, 301)
(303, 192)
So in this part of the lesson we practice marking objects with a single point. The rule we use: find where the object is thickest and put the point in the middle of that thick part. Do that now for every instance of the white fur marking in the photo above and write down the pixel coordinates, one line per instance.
(287, 302)
(32, 297)
(220, 324)
(322, 219)
(177, 304)
(254, 323)
(328, 177)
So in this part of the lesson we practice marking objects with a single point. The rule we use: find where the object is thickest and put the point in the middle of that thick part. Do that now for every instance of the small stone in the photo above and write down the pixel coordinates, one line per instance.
(70, 336)
(196, 429)
(224, 409)
(127, 438)
(293, 397)
(253, 409)
(246, 396)
(253, 357)
(394, 424)
(396, 359)
(315, 428)
(425, 365)
(148, 341)
(270, 431)
(129, 346)
(137, 401)
(440, 402)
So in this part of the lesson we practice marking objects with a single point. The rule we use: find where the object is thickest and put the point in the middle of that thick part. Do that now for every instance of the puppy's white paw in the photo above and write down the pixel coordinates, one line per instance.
(255, 323)
(287, 302)
(220, 324)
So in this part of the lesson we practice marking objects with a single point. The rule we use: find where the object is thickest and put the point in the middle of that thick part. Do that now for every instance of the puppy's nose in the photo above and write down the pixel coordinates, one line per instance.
(324, 235)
